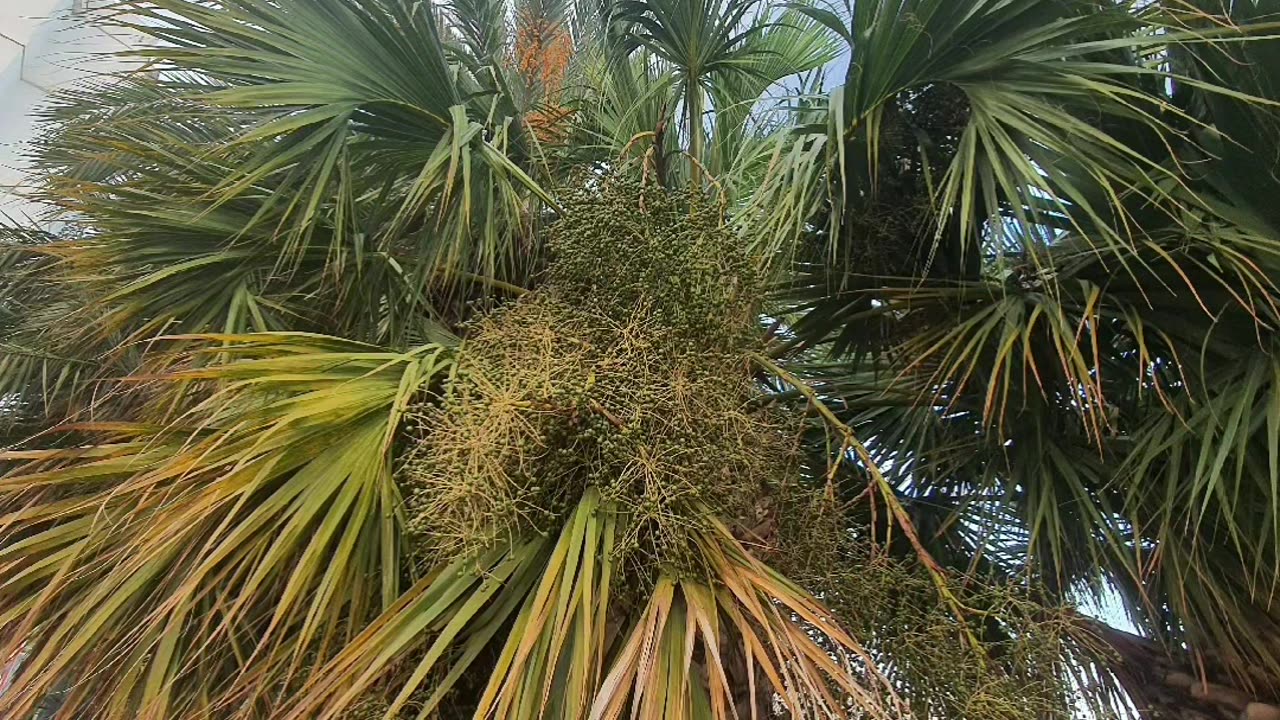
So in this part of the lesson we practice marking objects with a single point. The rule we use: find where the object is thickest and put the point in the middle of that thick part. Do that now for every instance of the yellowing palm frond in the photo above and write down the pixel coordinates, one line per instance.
(210, 561)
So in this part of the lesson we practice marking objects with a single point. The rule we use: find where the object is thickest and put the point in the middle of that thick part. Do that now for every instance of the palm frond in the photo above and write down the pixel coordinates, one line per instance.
(696, 650)
(379, 151)
(208, 561)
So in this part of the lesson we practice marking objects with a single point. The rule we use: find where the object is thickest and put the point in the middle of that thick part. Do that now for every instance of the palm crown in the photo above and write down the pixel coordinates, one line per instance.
(543, 359)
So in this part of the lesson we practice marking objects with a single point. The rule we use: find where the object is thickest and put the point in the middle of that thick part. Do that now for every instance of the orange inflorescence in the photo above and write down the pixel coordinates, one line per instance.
(542, 54)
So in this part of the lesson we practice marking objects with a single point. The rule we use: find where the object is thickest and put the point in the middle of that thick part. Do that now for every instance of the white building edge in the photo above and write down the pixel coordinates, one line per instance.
(44, 45)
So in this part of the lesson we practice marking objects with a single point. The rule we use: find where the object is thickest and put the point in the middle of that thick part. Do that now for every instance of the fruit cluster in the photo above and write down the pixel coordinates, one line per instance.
(627, 370)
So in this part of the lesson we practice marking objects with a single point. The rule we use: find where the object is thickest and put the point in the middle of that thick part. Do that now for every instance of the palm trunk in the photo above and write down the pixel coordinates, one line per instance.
(1165, 687)
(693, 103)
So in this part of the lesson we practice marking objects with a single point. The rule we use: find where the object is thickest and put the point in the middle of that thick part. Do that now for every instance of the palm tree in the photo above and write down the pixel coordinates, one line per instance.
(617, 358)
